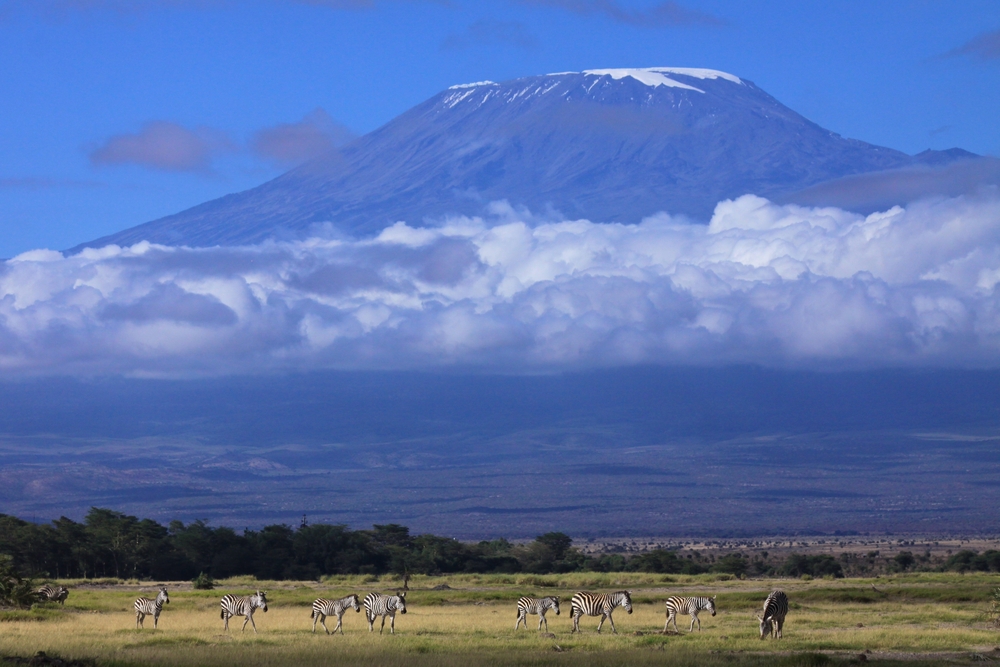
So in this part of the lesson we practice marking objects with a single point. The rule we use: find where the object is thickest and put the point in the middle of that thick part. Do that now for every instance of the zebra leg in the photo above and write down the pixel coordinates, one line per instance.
(576, 623)
(392, 623)
(517, 623)
(673, 617)
(603, 616)
(340, 624)
(371, 622)
(612, 620)
(778, 626)
(226, 617)
(249, 619)
(541, 618)
(138, 620)
(694, 618)
(322, 620)
(156, 619)
(382, 627)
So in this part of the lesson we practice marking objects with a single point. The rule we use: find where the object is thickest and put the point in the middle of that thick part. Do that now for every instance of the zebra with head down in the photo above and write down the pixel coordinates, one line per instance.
(53, 594)
(528, 605)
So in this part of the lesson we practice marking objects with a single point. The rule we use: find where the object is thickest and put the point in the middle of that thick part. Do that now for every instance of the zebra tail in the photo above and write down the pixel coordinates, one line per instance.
(222, 613)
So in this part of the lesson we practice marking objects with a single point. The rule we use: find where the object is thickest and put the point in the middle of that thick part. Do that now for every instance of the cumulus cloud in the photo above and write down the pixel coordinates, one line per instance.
(164, 145)
(662, 14)
(984, 47)
(779, 285)
(491, 31)
(292, 143)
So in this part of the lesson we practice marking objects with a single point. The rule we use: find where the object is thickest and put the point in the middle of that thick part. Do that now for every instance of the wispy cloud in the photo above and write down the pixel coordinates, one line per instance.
(292, 143)
(660, 15)
(786, 286)
(491, 31)
(984, 47)
(165, 146)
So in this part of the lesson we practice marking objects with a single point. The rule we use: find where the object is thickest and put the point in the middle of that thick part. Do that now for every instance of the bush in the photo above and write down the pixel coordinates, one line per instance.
(993, 613)
(203, 582)
(15, 591)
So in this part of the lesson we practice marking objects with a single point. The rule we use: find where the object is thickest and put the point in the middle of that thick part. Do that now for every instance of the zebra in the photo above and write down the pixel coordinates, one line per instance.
(145, 606)
(243, 605)
(773, 619)
(678, 605)
(53, 594)
(323, 608)
(538, 606)
(377, 604)
(599, 604)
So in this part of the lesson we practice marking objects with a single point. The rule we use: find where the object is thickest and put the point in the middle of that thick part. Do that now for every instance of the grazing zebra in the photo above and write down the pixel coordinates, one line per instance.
(243, 605)
(538, 606)
(145, 606)
(53, 594)
(599, 604)
(775, 608)
(323, 608)
(377, 604)
(677, 605)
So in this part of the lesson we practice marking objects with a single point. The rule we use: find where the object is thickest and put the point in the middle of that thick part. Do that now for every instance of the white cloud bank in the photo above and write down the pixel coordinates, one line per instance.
(776, 285)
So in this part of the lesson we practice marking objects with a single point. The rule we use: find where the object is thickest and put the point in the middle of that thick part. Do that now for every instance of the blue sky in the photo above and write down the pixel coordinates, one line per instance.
(83, 76)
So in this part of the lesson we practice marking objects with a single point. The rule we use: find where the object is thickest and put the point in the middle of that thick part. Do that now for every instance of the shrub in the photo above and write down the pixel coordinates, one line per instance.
(993, 612)
(203, 582)
(15, 591)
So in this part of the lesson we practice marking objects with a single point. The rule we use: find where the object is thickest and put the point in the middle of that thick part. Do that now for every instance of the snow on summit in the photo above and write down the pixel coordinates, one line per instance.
(657, 76)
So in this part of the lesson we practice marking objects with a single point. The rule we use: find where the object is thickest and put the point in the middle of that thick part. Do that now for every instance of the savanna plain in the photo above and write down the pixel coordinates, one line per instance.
(913, 619)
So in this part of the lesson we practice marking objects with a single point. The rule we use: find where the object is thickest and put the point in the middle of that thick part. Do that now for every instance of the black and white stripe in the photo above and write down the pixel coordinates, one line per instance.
(377, 604)
(691, 606)
(53, 594)
(145, 607)
(323, 608)
(599, 604)
(527, 605)
(773, 619)
(243, 605)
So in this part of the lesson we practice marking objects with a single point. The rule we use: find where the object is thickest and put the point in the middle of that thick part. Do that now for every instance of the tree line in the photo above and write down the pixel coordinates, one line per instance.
(113, 544)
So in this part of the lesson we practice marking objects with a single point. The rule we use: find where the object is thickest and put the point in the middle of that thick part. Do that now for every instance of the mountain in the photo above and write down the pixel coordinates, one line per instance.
(607, 145)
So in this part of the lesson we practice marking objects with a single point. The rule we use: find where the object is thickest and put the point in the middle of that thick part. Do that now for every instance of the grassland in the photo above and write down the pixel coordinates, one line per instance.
(468, 619)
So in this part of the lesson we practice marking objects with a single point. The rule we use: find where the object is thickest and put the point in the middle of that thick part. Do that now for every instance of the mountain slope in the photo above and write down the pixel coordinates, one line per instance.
(608, 145)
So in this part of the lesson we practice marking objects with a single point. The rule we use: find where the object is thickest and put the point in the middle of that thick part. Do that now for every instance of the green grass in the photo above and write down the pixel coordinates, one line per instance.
(911, 619)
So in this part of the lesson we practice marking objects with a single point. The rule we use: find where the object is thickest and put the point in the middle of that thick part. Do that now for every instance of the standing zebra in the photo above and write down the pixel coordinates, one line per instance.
(243, 605)
(599, 604)
(773, 619)
(323, 608)
(677, 605)
(538, 606)
(145, 606)
(377, 604)
(53, 594)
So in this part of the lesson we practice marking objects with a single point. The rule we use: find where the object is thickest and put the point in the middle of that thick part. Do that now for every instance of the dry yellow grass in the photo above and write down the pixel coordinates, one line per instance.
(473, 623)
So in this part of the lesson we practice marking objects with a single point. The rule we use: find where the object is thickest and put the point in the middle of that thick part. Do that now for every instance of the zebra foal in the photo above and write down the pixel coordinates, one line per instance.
(243, 605)
(53, 594)
(599, 604)
(527, 605)
(376, 604)
(773, 618)
(146, 607)
(323, 608)
(691, 606)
